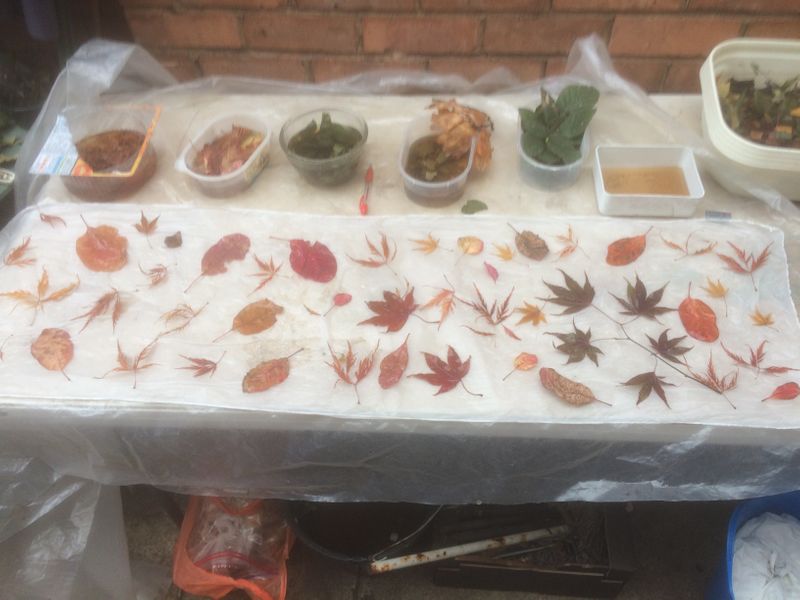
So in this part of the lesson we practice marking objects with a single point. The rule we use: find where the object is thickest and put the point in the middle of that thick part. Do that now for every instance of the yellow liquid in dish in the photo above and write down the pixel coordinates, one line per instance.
(662, 181)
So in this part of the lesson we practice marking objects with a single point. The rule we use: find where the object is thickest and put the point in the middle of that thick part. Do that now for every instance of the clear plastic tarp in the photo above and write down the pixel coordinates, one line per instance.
(463, 450)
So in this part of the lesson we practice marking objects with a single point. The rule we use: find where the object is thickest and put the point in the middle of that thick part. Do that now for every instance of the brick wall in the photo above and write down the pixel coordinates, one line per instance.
(658, 43)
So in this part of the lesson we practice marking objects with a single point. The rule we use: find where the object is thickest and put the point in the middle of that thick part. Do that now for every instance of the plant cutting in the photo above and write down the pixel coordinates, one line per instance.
(552, 133)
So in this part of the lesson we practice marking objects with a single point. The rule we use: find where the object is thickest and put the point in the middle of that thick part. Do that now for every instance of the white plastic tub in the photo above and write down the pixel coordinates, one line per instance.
(647, 205)
(427, 191)
(551, 177)
(236, 181)
(777, 60)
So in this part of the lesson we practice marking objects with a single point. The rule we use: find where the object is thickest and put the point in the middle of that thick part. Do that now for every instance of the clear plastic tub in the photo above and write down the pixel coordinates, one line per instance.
(550, 177)
(236, 181)
(776, 60)
(326, 171)
(426, 191)
(647, 205)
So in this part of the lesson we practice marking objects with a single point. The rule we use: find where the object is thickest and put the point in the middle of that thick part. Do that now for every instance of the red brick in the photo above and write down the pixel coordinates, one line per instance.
(753, 6)
(147, 3)
(548, 34)
(301, 32)
(647, 74)
(618, 5)
(473, 68)
(252, 64)
(683, 77)
(670, 35)
(207, 29)
(421, 35)
(485, 5)
(785, 28)
(345, 5)
(183, 68)
(555, 66)
(327, 68)
(246, 4)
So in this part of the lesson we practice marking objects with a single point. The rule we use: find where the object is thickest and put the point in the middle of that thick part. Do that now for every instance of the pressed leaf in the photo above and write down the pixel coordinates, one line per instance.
(393, 366)
(102, 248)
(626, 250)
(146, 226)
(134, 364)
(444, 301)
(109, 300)
(180, 317)
(255, 317)
(641, 304)
(380, 256)
(716, 289)
(786, 391)
(470, 245)
(745, 263)
(234, 246)
(530, 245)
(494, 314)
(445, 375)
(16, 257)
(567, 390)
(491, 271)
(510, 333)
(685, 249)
(426, 245)
(669, 348)
(201, 366)
(459, 126)
(312, 261)
(698, 319)
(350, 369)
(267, 272)
(531, 314)
(648, 383)
(52, 220)
(762, 319)
(570, 243)
(503, 252)
(174, 241)
(574, 297)
(524, 361)
(41, 297)
(156, 275)
(755, 359)
(393, 311)
(53, 349)
(267, 374)
(714, 382)
(576, 345)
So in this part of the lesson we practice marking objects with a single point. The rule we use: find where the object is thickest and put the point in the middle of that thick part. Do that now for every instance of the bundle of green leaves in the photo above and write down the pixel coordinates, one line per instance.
(553, 132)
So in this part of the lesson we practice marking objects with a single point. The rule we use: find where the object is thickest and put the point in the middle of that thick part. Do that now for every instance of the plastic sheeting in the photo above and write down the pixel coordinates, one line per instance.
(224, 451)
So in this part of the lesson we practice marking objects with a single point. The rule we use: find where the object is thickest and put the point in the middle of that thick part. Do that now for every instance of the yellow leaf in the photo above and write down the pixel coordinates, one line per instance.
(525, 361)
(21, 296)
(715, 289)
(44, 283)
(531, 314)
(504, 251)
(426, 245)
(62, 293)
(762, 319)
(470, 245)
(445, 301)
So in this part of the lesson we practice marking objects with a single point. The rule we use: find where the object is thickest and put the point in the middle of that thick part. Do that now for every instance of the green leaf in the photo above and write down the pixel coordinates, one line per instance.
(574, 97)
(532, 145)
(528, 119)
(473, 206)
(576, 122)
(564, 148)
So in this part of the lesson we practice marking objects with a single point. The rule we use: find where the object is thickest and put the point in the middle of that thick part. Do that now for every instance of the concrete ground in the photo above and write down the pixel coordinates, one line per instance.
(677, 546)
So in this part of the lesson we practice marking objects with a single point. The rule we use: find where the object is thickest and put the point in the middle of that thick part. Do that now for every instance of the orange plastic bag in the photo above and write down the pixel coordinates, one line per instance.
(228, 544)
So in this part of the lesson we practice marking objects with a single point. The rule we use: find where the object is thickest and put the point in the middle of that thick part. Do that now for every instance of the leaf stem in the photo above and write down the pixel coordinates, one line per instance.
(466, 389)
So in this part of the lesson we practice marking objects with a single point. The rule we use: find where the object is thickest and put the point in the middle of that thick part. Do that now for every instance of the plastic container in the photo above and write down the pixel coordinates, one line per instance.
(429, 192)
(127, 177)
(236, 181)
(721, 587)
(328, 171)
(550, 177)
(647, 205)
(776, 60)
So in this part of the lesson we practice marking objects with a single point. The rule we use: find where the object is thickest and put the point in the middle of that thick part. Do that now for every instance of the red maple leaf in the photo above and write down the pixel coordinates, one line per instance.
(446, 375)
(393, 311)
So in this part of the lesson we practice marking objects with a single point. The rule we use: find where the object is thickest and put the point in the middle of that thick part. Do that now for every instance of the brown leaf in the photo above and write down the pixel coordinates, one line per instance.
(16, 257)
(135, 364)
(393, 366)
(565, 389)
(494, 314)
(234, 246)
(745, 263)
(685, 250)
(380, 257)
(445, 301)
(146, 226)
(755, 359)
(202, 366)
(267, 272)
(531, 245)
(156, 275)
(174, 241)
(669, 348)
(446, 375)
(343, 365)
(267, 374)
(641, 304)
(255, 317)
(426, 245)
(570, 243)
(573, 297)
(100, 307)
(53, 350)
(102, 248)
(649, 382)
(393, 311)
(530, 314)
(52, 220)
(626, 250)
(714, 382)
(459, 125)
(183, 314)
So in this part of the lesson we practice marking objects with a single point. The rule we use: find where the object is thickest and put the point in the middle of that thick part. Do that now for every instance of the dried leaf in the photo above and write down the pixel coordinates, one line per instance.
(267, 374)
(698, 319)
(174, 241)
(40, 298)
(504, 252)
(786, 391)
(576, 345)
(570, 243)
(531, 245)
(381, 256)
(52, 220)
(156, 275)
(445, 301)
(648, 383)
(393, 366)
(573, 297)
(459, 125)
(669, 348)
(494, 314)
(641, 304)
(202, 366)
(473, 206)
(684, 249)
(426, 245)
(531, 314)
(344, 364)
(626, 250)
(16, 257)
(470, 245)
(393, 311)
(762, 319)
(267, 272)
(755, 360)
(255, 317)
(565, 389)
(135, 364)
(53, 349)
(745, 263)
(523, 362)
(182, 315)
(234, 246)
(446, 375)
(312, 261)
(106, 301)
(491, 271)
(712, 381)
(510, 333)
(102, 248)
(146, 226)
(716, 289)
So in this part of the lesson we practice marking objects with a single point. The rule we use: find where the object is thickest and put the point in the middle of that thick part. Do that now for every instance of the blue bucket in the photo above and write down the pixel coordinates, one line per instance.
(721, 587)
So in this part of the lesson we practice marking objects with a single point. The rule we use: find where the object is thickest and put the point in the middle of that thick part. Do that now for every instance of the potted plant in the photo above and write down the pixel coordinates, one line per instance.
(553, 142)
